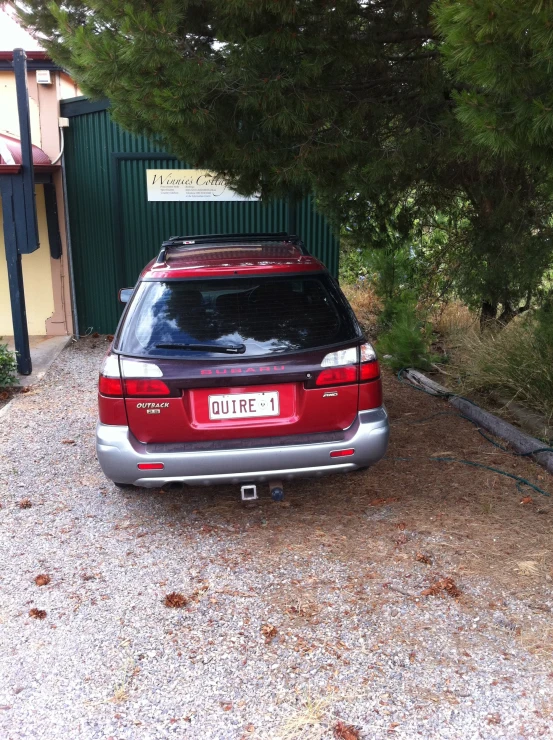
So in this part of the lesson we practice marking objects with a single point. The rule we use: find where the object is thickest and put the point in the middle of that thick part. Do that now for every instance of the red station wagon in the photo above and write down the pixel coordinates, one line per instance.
(237, 360)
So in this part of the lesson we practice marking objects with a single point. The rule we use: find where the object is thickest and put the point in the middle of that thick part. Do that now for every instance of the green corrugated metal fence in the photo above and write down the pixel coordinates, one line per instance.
(115, 230)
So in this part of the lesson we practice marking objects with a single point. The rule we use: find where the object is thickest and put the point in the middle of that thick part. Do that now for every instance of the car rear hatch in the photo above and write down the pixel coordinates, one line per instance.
(239, 358)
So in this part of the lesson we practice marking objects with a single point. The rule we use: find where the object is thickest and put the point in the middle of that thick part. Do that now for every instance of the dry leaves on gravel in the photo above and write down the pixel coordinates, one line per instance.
(346, 732)
(175, 600)
(382, 501)
(421, 557)
(42, 579)
(526, 500)
(442, 587)
(25, 503)
(269, 631)
(37, 613)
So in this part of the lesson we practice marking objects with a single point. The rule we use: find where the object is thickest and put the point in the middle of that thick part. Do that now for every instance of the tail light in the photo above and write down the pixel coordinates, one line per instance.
(337, 376)
(339, 368)
(141, 379)
(145, 387)
(354, 365)
(370, 393)
(111, 406)
(350, 365)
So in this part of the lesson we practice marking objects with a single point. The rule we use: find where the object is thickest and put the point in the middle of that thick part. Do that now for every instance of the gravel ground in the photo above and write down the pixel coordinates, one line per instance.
(297, 616)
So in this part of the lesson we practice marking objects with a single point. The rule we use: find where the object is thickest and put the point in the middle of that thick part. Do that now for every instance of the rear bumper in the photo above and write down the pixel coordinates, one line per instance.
(119, 454)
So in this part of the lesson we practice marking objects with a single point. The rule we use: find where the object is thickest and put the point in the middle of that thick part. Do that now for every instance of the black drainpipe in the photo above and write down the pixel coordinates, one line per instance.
(20, 222)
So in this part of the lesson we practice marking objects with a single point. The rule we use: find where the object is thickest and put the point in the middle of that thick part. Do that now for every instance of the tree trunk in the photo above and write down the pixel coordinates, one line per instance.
(488, 313)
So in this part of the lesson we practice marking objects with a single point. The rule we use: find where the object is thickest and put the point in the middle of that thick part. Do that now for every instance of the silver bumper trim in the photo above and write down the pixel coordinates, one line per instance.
(119, 453)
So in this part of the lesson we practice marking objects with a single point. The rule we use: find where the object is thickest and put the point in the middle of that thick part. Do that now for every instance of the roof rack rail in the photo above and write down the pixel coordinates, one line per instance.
(182, 242)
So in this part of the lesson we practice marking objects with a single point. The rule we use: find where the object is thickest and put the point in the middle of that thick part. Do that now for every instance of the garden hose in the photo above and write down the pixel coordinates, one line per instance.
(519, 481)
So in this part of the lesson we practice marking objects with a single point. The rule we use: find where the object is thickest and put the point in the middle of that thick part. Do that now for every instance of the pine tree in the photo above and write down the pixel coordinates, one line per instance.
(345, 98)
(501, 53)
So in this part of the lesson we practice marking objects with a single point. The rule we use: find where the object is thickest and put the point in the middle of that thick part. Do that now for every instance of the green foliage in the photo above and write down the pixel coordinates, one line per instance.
(354, 265)
(408, 340)
(500, 53)
(8, 367)
(351, 100)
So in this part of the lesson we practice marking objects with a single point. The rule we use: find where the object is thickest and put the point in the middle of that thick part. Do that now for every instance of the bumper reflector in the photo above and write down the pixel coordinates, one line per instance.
(342, 453)
(150, 466)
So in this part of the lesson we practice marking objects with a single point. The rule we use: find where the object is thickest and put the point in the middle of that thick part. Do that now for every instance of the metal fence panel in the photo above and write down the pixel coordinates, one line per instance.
(115, 231)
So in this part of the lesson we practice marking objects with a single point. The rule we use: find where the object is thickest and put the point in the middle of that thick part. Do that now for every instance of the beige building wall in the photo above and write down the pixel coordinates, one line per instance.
(37, 278)
(9, 120)
(46, 280)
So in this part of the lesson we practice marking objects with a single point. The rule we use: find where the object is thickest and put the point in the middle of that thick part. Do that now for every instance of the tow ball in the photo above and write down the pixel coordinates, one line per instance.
(248, 492)
(277, 491)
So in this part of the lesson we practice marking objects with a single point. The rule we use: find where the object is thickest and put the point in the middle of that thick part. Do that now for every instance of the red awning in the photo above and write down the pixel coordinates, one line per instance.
(10, 157)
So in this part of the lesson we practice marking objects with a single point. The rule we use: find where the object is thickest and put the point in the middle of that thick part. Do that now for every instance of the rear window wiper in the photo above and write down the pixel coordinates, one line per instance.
(230, 349)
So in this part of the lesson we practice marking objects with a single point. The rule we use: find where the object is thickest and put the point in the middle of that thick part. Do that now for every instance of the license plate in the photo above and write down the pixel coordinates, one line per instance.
(243, 405)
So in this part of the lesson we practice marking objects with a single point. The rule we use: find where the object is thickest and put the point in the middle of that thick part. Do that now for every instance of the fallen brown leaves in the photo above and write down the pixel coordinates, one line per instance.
(42, 579)
(68, 442)
(25, 503)
(346, 732)
(269, 631)
(175, 600)
(441, 587)
(37, 613)
(421, 557)
(526, 500)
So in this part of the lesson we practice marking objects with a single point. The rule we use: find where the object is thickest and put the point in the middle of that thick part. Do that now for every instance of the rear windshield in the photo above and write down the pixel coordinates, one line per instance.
(252, 316)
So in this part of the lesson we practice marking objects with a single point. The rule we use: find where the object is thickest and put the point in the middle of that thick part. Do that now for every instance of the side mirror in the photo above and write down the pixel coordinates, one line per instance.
(125, 294)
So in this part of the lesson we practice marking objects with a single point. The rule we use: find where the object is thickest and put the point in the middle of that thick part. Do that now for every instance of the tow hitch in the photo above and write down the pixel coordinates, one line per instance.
(276, 489)
(248, 492)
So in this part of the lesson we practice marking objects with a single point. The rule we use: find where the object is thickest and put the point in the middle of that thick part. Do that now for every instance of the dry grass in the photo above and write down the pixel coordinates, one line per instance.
(365, 303)
(453, 319)
(509, 361)
(310, 722)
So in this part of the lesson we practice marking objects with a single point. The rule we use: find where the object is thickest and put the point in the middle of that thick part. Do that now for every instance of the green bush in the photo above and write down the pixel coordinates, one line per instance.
(8, 367)
(407, 342)
(395, 307)
(353, 264)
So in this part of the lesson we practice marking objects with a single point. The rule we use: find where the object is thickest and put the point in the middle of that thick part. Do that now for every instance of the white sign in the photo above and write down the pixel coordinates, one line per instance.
(189, 185)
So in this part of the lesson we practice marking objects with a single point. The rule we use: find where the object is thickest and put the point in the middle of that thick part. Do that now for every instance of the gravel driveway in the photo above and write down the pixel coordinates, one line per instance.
(297, 617)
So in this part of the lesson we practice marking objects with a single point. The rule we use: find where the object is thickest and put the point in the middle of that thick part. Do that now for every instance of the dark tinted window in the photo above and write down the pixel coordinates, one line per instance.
(261, 315)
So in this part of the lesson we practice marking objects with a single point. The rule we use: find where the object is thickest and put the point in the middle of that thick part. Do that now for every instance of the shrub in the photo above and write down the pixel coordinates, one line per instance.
(518, 360)
(8, 367)
(407, 342)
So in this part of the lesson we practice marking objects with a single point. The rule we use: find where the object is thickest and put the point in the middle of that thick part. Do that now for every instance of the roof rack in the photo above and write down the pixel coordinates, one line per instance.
(216, 240)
